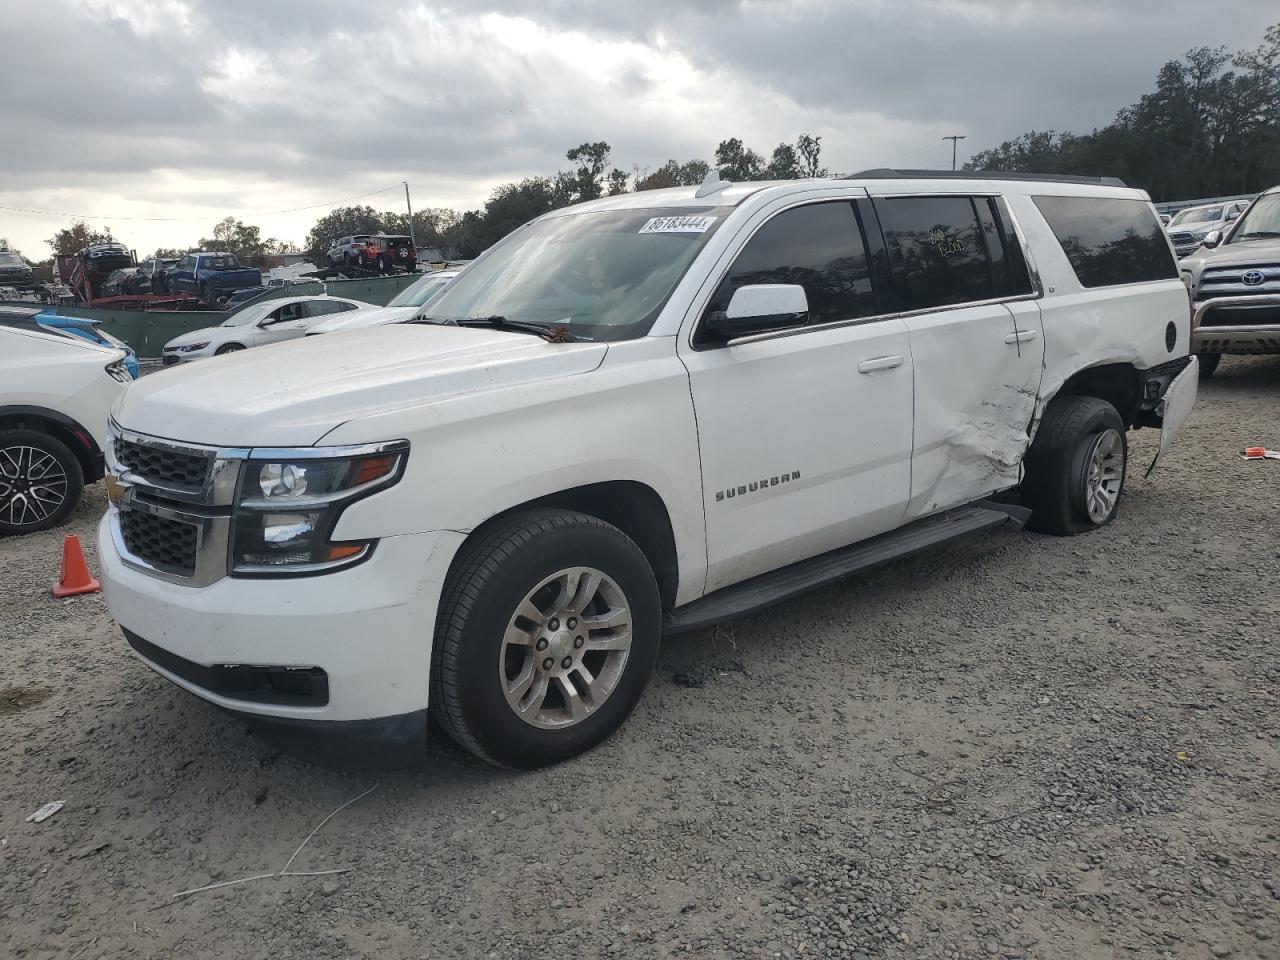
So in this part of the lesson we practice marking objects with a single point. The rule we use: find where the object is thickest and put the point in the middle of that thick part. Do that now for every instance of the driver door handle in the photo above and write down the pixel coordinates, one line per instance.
(1022, 336)
(880, 363)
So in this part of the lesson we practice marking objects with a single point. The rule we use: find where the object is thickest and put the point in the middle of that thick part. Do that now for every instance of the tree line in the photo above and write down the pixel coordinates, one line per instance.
(1211, 127)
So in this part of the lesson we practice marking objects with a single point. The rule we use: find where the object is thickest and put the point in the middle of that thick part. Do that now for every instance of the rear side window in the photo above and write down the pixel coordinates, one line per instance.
(1108, 241)
(940, 248)
(819, 247)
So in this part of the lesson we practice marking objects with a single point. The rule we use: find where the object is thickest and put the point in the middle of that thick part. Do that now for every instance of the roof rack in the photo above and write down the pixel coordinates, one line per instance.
(885, 173)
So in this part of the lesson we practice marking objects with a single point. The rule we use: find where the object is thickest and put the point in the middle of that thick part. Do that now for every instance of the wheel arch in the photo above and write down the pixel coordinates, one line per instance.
(633, 507)
(66, 429)
(1119, 384)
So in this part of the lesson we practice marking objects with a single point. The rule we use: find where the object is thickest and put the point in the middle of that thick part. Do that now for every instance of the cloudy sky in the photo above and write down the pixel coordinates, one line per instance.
(175, 113)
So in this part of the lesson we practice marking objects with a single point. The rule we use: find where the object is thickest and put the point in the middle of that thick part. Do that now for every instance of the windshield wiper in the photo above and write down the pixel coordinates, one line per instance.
(554, 333)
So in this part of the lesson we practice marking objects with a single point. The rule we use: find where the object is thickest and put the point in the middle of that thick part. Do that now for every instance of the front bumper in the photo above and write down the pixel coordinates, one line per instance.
(367, 630)
(1242, 338)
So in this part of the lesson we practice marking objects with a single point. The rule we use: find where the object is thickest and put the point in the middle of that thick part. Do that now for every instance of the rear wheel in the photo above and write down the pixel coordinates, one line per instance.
(40, 481)
(1075, 469)
(547, 634)
(1208, 363)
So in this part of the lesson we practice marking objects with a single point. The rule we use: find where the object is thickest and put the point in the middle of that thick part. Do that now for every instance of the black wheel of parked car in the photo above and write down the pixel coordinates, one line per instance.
(204, 293)
(228, 348)
(40, 481)
(382, 263)
(548, 631)
(1075, 469)
(1208, 363)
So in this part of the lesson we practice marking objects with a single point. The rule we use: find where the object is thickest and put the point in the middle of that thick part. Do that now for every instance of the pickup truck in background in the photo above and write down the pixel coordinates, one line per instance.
(212, 276)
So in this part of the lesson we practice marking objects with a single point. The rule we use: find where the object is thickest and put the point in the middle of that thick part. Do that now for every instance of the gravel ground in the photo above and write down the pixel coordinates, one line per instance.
(1019, 747)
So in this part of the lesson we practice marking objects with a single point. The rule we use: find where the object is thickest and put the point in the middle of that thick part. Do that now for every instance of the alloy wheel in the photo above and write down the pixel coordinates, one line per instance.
(33, 485)
(1105, 475)
(565, 648)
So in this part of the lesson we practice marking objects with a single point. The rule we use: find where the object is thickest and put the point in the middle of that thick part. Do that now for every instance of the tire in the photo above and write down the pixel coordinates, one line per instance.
(26, 456)
(1060, 467)
(228, 348)
(203, 291)
(525, 559)
(1208, 363)
(382, 264)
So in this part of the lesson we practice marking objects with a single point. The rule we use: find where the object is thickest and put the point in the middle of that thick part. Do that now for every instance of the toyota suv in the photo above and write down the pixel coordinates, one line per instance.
(640, 415)
(1235, 284)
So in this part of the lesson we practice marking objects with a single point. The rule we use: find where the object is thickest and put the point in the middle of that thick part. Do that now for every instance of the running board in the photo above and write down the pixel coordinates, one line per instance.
(800, 578)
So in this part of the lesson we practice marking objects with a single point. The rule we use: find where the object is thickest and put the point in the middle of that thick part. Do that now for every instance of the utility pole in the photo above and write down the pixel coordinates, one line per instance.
(412, 238)
(954, 139)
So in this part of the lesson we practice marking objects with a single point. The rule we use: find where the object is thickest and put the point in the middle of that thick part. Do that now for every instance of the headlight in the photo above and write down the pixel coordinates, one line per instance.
(287, 507)
(118, 371)
(193, 346)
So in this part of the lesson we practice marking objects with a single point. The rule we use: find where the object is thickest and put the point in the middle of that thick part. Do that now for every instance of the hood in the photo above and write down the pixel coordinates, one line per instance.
(1195, 226)
(293, 393)
(197, 336)
(1263, 250)
(355, 319)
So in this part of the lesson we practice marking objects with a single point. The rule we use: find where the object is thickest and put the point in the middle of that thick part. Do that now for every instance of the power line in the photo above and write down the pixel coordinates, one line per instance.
(266, 213)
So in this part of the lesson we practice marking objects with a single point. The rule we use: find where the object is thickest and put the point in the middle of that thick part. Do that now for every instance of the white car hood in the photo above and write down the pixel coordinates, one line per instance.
(293, 393)
(203, 335)
(356, 319)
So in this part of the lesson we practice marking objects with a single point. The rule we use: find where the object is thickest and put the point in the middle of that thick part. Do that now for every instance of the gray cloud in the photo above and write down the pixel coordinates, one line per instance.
(239, 105)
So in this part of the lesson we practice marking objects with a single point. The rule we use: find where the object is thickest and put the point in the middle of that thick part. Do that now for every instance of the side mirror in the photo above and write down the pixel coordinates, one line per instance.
(1211, 239)
(758, 308)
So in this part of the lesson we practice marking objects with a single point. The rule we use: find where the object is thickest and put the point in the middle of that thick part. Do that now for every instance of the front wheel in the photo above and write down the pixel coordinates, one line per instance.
(547, 634)
(1208, 363)
(40, 481)
(228, 348)
(1075, 469)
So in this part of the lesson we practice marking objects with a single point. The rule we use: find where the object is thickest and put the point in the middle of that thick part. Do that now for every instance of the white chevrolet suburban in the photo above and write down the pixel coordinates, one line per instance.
(645, 413)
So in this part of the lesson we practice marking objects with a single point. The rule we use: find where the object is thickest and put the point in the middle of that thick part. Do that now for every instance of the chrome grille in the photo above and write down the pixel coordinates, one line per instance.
(161, 465)
(1229, 281)
(164, 543)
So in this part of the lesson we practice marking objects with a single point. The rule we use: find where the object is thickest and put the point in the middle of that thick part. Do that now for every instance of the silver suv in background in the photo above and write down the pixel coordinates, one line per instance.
(1235, 286)
(1189, 227)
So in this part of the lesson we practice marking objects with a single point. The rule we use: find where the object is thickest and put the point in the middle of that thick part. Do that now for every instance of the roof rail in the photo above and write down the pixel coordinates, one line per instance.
(885, 173)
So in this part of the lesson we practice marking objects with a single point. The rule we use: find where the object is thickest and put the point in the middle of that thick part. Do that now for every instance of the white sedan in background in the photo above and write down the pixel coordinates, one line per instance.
(270, 321)
(403, 306)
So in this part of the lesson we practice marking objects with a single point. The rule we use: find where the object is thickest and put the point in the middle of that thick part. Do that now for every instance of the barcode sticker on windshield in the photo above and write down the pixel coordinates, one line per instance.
(678, 225)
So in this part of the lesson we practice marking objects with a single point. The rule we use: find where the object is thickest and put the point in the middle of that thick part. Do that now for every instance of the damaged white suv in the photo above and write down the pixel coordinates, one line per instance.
(639, 415)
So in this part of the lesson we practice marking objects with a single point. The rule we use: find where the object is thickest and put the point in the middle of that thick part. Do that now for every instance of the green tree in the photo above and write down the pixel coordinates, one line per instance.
(617, 182)
(810, 150)
(737, 162)
(76, 237)
(169, 253)
(233, 236)
(672, 174)
(784, 165)
(588, 179)
(1210, 127)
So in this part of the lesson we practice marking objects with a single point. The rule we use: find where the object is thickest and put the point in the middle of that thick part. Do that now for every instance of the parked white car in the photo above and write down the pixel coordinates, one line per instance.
(55, 394)
(404, 305)
(649, 412)
(270, 321)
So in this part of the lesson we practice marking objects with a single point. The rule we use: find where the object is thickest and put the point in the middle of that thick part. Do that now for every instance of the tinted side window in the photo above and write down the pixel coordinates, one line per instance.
(938, 245)
(1109, 241)
(819, 247)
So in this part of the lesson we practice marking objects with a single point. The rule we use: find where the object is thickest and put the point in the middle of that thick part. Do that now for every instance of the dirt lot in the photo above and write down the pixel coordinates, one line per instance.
(1021, 747)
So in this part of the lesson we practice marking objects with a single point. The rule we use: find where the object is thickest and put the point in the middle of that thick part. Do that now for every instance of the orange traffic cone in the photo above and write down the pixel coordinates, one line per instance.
(75, 572)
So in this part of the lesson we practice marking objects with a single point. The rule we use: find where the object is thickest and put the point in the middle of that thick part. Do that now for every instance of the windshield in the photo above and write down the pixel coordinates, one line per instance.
(10, 260)
(1262, 220)
(245, 317)
(1197, 215)
(603, 275)
(219, 263)
(418, 292)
